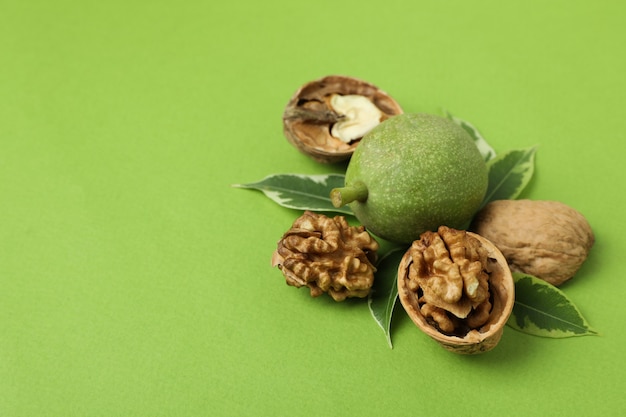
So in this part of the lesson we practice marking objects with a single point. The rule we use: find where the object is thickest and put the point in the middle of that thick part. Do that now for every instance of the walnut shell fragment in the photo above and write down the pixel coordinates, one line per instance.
(327, 255)
(309, 116)
(546, 239)
(457, 288)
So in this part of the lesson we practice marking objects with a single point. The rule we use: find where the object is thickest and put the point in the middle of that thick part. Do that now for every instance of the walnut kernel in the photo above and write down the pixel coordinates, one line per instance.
(327, 255)
(457, 288)
(326, 118)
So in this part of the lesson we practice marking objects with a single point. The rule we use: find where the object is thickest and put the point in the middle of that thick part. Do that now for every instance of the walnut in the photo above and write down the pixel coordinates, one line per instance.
(456, 287)
(326, 118)
(327, 255)
(546, 239)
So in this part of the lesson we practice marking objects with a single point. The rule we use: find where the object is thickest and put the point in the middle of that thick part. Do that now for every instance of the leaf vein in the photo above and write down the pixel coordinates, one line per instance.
(552, 316)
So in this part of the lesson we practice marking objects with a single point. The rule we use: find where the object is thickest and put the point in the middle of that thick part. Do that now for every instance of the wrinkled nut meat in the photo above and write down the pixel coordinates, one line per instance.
(326, 118)
(457, 288)
(327, 255)
(546, 239)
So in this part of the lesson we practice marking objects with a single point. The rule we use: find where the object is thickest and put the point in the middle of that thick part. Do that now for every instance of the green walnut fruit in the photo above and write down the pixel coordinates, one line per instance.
(413, 173)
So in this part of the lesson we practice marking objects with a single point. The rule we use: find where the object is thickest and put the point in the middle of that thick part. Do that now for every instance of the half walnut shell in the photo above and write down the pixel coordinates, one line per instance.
(309, 117)
(500, 299)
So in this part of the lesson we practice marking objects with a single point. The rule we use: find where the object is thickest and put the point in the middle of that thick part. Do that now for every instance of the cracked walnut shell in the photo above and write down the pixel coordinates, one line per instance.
(315, 110)
(457, 288)
(327, 255)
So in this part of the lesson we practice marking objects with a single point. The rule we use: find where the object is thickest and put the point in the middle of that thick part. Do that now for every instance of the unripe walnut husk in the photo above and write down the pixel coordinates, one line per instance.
(546, 239)
(310, 120)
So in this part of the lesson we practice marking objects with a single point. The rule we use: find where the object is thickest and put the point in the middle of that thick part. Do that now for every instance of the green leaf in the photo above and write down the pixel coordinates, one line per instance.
(384, 293)
(485, 149)
(509, 173)
(301, 192)
(541, 309)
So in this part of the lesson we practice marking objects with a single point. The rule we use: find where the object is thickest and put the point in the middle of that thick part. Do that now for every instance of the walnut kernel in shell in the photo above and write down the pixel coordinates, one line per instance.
(309, 116)
(457, 288)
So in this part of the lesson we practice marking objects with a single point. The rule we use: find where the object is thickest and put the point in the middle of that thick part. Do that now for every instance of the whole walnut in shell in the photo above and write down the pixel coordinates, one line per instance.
(327, 255)
(546, 239)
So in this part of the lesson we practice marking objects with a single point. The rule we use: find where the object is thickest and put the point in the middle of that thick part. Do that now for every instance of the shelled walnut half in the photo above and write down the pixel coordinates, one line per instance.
(328, 256)
(457, 288)
(326, 118)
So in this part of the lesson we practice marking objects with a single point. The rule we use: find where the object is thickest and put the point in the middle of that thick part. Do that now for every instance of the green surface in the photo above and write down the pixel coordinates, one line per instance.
(134, 281)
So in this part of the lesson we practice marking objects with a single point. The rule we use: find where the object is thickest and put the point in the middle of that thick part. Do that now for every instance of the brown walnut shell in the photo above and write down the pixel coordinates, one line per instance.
(479, 340)
(546, 239)
(311, 135)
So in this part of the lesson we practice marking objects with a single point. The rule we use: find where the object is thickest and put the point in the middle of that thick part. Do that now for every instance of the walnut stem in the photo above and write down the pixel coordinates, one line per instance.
(348, 194)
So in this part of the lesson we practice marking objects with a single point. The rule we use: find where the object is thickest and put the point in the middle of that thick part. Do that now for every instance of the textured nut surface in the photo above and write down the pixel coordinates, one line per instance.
(457, 288)
(327, 255)
(546, 239)
(309, 117)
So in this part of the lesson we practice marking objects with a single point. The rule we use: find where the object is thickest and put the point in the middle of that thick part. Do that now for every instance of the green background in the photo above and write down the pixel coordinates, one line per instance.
(135, 281)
